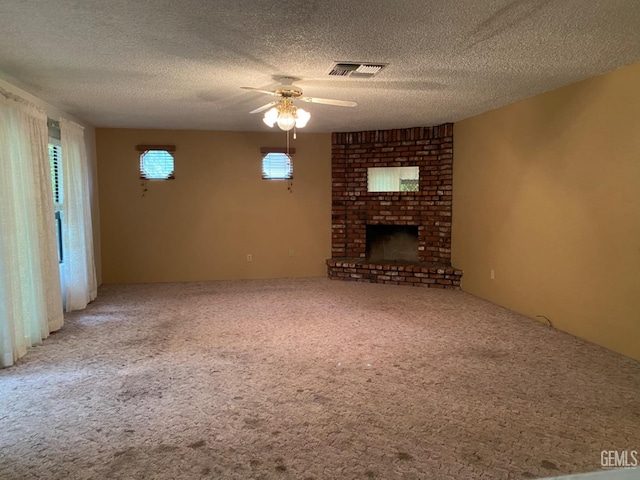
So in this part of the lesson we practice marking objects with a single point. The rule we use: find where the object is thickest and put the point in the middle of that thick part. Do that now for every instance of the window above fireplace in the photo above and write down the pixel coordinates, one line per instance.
(393, 179)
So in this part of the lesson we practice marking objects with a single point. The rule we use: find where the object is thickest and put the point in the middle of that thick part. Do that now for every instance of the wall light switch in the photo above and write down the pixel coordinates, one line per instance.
(249, 257)
(493, 274)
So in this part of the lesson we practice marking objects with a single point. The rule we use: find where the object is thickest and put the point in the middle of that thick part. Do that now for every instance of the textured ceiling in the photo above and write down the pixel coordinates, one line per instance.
(179, 64)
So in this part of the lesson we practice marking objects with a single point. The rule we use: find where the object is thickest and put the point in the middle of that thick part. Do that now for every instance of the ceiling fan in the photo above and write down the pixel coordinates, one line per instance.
(284, 112)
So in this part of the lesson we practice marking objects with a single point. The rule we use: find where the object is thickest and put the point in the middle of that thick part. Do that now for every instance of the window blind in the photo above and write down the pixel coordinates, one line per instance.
(156, 164)
(277, 166)
(55, 162)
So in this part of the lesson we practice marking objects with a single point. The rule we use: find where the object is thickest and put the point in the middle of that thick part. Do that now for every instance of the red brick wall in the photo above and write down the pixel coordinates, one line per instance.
(429, 148)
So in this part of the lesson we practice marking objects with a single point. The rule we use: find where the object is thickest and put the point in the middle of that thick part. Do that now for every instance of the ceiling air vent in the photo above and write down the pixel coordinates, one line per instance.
(356, 70)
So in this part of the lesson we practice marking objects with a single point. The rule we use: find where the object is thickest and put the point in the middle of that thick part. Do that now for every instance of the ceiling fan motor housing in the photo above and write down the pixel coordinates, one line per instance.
(290, 91)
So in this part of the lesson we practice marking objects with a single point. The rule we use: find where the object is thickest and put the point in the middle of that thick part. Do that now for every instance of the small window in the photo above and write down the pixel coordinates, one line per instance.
(55, 164)
(156, 164)
(393, 179)
(277, 166)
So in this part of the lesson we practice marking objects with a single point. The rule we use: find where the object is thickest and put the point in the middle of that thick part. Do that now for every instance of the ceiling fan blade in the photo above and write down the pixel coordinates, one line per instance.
(268, 92)
(328, 101)
(264, 107)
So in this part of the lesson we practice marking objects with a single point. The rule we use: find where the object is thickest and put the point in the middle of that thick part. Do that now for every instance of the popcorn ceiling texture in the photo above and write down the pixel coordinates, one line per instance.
(179, 65)
(310, 379)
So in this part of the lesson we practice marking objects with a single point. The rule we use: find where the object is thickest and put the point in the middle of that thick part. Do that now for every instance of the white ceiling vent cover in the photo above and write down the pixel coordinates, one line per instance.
(355, 69)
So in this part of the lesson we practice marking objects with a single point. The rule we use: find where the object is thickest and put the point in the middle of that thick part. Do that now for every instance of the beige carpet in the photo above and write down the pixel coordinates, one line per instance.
(310, 379)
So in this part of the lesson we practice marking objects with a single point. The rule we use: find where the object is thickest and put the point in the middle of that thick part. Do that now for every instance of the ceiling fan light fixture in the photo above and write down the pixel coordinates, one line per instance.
(286, 116)
(289, 116)
(286, 120)
(302, 117)
(271, 117)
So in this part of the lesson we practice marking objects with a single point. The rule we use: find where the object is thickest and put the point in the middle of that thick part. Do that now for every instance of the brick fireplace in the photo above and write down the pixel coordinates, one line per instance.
(394, 216)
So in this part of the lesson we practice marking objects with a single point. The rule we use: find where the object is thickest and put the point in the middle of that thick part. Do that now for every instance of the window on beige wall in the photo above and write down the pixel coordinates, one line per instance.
(277, 166)
(156, 165)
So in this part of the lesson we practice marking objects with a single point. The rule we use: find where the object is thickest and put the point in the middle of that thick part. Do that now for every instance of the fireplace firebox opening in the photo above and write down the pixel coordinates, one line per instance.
(392, 243)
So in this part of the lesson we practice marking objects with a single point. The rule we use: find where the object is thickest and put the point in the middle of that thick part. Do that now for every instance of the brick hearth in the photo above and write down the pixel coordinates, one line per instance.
(419, 275)
(353, 208)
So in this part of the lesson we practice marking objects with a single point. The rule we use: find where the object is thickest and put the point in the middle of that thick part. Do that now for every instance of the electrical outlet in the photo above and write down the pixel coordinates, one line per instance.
(291, 252)
(249, 257)
(493, 274)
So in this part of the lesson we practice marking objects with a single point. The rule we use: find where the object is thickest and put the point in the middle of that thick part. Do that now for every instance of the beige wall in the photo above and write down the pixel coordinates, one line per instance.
(202, 225)
(56, 113)
(547, 194)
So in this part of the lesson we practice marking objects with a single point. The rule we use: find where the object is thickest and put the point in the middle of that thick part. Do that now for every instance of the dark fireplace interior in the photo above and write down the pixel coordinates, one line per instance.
(392, 243)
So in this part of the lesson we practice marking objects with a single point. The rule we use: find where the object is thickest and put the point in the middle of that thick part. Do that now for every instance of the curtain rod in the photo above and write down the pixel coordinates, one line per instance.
(17, 98)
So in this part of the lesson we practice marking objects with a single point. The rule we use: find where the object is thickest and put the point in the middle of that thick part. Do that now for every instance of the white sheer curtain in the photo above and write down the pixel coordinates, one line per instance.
(30, 296)
(80, 285)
